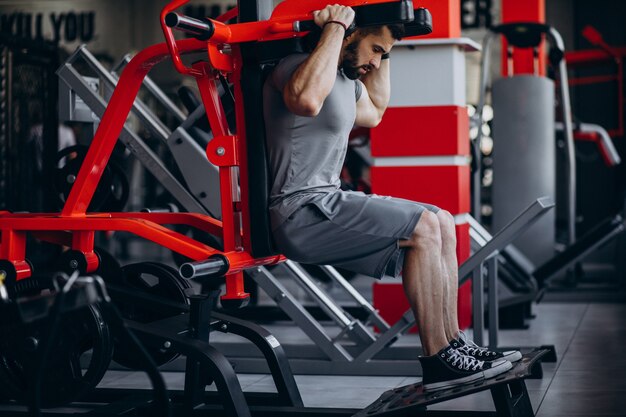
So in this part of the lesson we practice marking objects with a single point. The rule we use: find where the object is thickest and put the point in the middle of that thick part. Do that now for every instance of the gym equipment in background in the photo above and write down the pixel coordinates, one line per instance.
(526, 163)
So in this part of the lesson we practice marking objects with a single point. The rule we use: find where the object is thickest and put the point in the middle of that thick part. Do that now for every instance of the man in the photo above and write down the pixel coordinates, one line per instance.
(311, 102)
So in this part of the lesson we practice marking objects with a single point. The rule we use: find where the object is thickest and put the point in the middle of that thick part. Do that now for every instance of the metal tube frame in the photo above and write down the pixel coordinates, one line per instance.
(557, 42)
(74, 217)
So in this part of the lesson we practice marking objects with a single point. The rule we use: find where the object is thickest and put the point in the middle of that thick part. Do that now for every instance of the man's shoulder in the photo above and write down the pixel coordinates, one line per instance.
(292, 59)
(285, 68)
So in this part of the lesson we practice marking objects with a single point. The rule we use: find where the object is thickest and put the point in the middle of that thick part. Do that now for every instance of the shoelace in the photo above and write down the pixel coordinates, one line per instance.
(473, 349)
(465, 362)
(476, 350)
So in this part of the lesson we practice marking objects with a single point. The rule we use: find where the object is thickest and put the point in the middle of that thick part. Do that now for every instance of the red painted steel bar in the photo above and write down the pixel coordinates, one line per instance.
(76, 228)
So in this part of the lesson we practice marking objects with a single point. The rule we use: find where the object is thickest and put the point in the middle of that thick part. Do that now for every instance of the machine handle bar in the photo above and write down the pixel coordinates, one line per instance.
(199, 29)
(216, 265)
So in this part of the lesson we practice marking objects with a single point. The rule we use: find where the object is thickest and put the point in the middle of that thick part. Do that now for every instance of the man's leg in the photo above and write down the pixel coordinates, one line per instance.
(423, 280)
(451, 271)
(449, 261)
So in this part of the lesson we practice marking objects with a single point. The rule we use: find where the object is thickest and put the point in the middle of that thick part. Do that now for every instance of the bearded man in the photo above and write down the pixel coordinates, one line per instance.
(311, 102)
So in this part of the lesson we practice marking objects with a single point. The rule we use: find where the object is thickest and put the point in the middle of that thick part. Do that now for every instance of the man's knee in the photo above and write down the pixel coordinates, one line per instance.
(448, 228)
(427, 231)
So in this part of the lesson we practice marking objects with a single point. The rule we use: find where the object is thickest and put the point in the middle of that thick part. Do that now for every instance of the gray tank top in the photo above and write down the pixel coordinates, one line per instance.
(305, 154)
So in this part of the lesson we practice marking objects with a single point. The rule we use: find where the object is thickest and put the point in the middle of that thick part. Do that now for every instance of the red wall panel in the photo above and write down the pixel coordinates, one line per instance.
(446, 17)
(447, 187)
(422, 131)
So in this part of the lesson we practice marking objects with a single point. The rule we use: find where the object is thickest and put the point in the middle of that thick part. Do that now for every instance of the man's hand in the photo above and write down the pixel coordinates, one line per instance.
(335, 13)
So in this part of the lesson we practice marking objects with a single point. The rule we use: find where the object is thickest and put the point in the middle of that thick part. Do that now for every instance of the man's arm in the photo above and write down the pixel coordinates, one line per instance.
(374, 97)
(313, 81)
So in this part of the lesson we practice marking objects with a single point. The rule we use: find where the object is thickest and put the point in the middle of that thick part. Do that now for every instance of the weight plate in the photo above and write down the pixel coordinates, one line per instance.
(65, 176)
(119, 189)
(82, 336)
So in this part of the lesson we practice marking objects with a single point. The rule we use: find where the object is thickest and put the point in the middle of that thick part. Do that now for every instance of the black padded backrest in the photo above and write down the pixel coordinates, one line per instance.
(253, 75)
(252, 79)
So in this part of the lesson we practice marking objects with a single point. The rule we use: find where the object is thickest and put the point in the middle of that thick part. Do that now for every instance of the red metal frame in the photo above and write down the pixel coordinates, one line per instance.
(600, 57)
(522, 61)
(76, 228)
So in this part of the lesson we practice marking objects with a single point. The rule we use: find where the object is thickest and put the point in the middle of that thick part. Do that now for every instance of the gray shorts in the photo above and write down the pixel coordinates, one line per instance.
(351, 230)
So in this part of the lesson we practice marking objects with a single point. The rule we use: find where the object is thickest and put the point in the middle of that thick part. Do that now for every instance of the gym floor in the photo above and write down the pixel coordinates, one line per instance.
(589, 378)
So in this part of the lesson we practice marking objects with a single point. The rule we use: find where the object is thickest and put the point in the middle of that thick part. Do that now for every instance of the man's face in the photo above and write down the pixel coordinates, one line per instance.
(363, 53)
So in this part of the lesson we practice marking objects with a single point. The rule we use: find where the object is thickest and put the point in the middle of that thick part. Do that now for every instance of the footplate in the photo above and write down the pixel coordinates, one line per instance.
(413, 400)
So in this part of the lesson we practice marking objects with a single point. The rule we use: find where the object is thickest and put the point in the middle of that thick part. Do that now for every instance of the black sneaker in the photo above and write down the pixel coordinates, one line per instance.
(466, 346)
(449, 367)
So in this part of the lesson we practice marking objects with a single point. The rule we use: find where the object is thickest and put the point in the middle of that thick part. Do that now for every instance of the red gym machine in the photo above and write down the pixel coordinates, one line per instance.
(236, 52)
(75, 228)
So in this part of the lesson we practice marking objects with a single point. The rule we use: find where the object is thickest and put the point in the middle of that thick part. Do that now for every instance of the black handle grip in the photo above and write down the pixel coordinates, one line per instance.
(422, 23)
(416, 22)
(310, 25)
(200, 29)
(304, 26)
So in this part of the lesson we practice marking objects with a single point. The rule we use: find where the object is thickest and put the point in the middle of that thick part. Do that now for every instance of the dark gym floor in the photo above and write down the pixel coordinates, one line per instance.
(589, 378)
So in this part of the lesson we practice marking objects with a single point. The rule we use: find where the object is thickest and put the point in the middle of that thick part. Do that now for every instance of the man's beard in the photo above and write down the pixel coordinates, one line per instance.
(349, 64)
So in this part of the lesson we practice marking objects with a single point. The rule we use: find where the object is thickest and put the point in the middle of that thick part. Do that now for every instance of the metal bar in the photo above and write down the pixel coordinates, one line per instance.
(197, 220)
(481, 236)
(478, 304)
(556, 264)
(351, 327)
(273, 353)
(139, 107)
(144, 228)
(492, 301)
(211, 266)
(387, 338)
(200, 309)
(164, 99)
(506, 235)
(311, 327)
(155, 90)
(609, 148)
(329, 307)
(569, 138)
(211, 361)
(374, 318)
(592, 80)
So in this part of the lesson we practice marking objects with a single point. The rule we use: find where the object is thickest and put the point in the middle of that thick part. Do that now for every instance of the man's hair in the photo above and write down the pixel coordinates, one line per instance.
(397, 30)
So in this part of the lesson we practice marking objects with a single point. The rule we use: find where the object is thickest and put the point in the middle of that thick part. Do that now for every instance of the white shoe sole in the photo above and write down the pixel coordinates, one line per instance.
(512, 355)
(501, 367)
(454, 382)
(497, 369)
